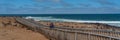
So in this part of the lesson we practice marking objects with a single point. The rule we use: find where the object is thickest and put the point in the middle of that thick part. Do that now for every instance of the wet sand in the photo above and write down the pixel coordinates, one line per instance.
(12, 30)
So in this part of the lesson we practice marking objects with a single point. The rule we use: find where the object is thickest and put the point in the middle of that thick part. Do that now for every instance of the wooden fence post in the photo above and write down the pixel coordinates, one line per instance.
(76, 35)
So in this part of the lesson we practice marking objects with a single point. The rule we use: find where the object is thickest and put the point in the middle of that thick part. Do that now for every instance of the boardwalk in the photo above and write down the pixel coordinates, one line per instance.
(61, 33)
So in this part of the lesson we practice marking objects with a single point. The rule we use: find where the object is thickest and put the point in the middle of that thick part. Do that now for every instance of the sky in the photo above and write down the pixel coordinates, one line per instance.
(59, 6)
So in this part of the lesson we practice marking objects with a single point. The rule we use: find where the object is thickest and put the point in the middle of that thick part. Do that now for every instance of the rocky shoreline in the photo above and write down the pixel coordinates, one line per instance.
(81, 25)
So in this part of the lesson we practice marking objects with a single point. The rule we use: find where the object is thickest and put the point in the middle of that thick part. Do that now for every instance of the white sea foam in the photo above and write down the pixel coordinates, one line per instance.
(115, 23)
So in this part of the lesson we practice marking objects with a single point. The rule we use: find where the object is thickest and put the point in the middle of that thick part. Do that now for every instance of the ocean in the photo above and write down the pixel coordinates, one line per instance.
(110, 19)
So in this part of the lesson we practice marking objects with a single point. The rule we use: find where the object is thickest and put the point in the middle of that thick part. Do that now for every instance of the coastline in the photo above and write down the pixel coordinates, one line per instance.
(71, 33)
(81, 25)
(14, 30)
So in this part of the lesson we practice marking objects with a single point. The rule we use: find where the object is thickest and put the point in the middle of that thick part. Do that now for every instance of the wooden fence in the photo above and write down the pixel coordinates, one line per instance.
(62, 33)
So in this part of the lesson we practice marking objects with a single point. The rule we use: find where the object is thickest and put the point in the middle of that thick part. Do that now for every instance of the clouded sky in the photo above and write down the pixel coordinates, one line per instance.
(59, 6)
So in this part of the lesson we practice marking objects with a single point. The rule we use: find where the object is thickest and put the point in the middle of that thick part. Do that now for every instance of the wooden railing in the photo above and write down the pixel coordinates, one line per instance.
(62, 33)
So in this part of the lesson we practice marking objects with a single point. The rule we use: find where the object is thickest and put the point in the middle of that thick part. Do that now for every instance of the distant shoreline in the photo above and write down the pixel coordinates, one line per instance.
(81, 25)
(37, 15)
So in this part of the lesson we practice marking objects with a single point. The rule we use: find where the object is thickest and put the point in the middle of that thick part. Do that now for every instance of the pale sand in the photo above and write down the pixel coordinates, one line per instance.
(11, 30)
(17, 33)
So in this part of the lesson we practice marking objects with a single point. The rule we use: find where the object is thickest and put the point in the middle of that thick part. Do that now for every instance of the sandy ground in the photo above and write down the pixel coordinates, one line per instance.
(11, 30)
(79, 25)
(15, 33)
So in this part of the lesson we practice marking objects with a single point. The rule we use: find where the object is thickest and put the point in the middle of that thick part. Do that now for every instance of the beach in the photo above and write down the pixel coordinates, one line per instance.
(12, 30)
(73, 30)
(92, 21)
(81, 25)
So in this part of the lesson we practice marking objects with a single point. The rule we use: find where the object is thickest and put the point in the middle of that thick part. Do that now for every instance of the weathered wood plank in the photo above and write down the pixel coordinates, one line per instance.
(75, 34)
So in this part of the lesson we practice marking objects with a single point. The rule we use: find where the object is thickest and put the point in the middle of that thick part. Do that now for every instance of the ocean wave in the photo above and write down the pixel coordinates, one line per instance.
(49, 18)
(70, 20)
